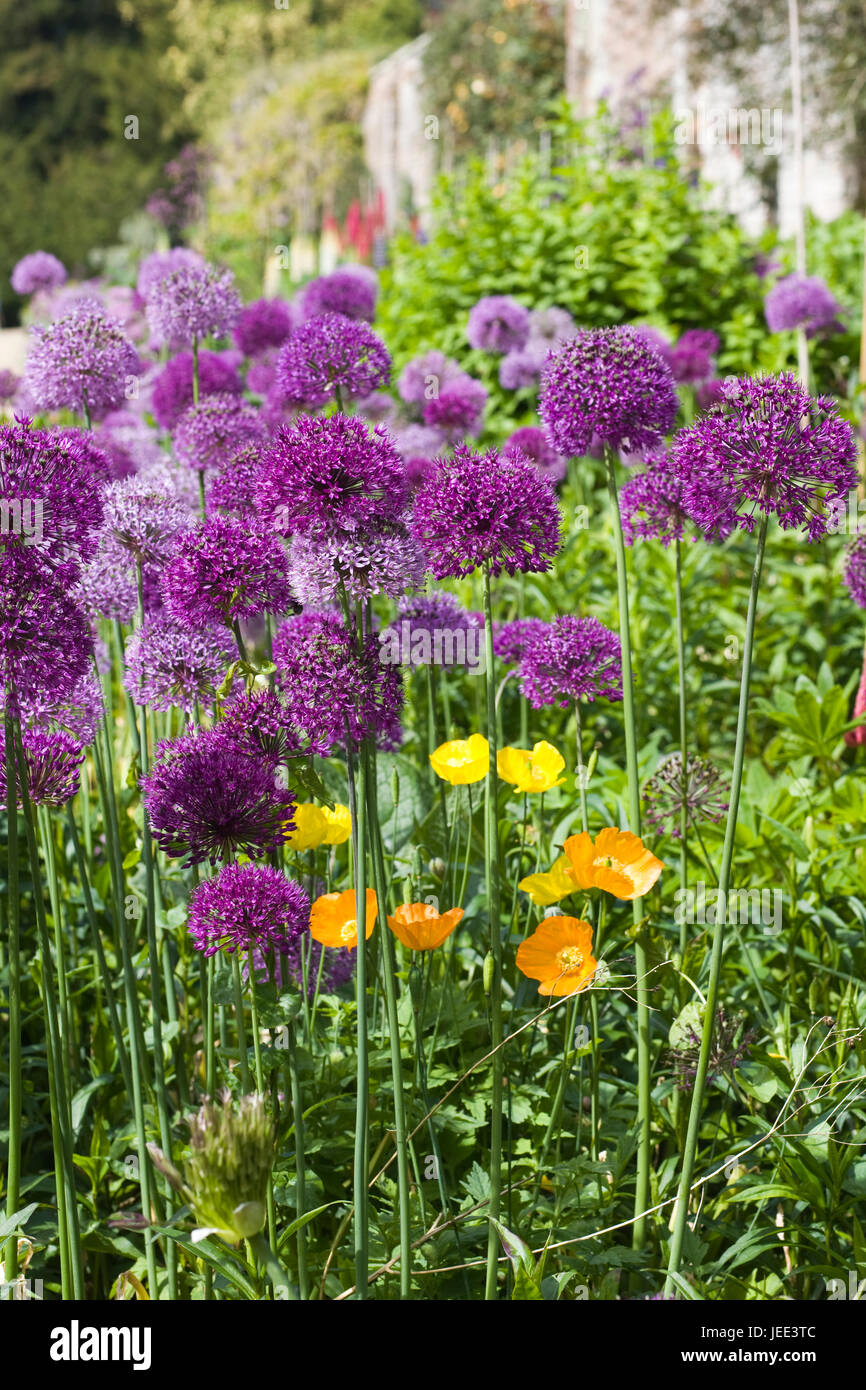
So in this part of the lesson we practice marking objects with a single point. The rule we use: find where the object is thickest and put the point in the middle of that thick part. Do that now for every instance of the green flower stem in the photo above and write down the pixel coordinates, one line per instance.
(358, 812)
(13, 1170)
(246, 1081)
(570, 1011)
(594, 1114)
(491, 875)
(693, 1132)
(643, 1015)
(389, 967)
(300, 1163)
(64, 1018)
(584, 820)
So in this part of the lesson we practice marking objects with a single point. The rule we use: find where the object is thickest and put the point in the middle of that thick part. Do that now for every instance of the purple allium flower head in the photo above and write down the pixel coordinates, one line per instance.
(247, 907)
(9, 384)
(208, 799)
(418, 442)
(221, 570)
(551, 326)
(260, 722)
(262, 374)
(651, 503)
(48, 496)
(264, 324)
(128, 443)
(709, 393)
(344, 291)
(172, 388)
(53, 762)
(79, 712)
(509, 639)
(701, 792)
(107, 586)
(171, 665)
(570, 659)
(854, 570)
(522, 366)
(486, 509)
(207, 435)
(426, 376)
(692, 357)
(802, 301)
(38, 271)
(497, 323)
(378, 409)
(382, 561)
(321, 475)
(607, 382)
(328, 355)
(237, 486)
(81, 362)
(191, 303)
(143, 518)
(329, 689)
(532, 443)
(45, 641)
(654, 338)
(160, 264)
(459, 409)
(768, 448)
(431, 631)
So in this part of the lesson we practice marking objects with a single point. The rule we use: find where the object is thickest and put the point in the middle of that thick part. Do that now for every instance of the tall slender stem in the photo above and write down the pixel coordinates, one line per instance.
(13, 1170)
(358, 805)
(491, 875)
(693, 1132)
(300, 1164)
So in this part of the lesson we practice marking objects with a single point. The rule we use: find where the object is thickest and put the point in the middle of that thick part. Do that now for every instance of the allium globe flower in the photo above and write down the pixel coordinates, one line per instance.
(170, 665)
(9, 383)
(159, 264)
(321, 475)
(551, 326)
(46, 644)
(221, 570)
(330, 691)
(142, 518)
(532, 443)
(82, 362)
(172, 388)
(210, 800)
(607, 382)
(652, 503)
(238, 484)
(247, 907)
(700, 792)
(570, 659)
(378, 409)
(260, 722)
(264, 324)
(193, 302)
(79, 712)
(344, 291)
(691, 359)
(509, 639)
(383, 561)
(128, 444)
(768, 449)
(48, 496)
(709, 393)
(854, 569)
(490, 509)
(107, 585)
(418, 442)
(207, 435)
(802, 301)
(497, 323)
(459, 409)
(426, 376)
(328, 355)
(431, 630)
(522, 366)
(53, 762)
(38, 271)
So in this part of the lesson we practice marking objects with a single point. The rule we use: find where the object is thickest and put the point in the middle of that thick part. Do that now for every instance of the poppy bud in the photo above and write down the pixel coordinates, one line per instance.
(487, 972)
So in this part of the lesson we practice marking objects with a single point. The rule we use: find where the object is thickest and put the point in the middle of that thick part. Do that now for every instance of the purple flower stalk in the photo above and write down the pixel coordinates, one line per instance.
(570, 659)
(802, 301)
(384, 561)
(81, 362)
(160, 264)
(170, 665)
(258, 721)
(53, 765)
(237, 486)
(38, 271)
(210, 800)
(207, 435)
(45, 641)
(329, 355)
(49, 504)
(486, 509)
(607, 383)
(143, 519)
(245, 908)
(221, 570)
(652, 503)
(193, 302)
(767, 449)
(497, 323)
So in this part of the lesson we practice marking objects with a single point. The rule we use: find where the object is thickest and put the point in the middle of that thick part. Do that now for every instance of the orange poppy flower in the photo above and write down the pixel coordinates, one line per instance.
(420, 927)
(333, 921)
(559, 955)
(617, 862)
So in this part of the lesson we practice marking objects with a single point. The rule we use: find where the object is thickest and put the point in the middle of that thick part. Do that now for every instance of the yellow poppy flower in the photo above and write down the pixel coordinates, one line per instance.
(535, 771)
(420, 927)
(338, 824)
(462, 760)
(559, 955)
(310, 827)
(617, 862)
(552, 887)
(333, 921)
